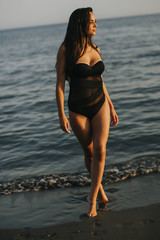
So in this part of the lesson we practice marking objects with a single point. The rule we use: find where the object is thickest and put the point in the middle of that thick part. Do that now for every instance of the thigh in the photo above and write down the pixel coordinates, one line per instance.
(100, 125)
(81, 127)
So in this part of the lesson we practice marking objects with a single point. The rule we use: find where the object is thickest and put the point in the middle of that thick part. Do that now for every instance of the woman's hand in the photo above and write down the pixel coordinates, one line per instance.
(64, 124)
(114, 117)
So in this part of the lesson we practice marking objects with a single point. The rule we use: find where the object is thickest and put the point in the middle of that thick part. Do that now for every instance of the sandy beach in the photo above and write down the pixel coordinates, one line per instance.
(133, 213)
(133, 224)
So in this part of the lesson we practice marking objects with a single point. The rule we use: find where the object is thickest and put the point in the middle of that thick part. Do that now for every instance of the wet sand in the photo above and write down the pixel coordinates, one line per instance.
(133, 213)
(141, 223)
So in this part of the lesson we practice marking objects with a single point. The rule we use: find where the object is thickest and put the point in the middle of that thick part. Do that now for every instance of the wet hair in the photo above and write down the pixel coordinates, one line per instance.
(77, 37)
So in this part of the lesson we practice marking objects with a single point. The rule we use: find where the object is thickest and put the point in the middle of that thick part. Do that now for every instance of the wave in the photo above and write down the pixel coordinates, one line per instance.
(149, 54)
(16, 72)
(114, 173)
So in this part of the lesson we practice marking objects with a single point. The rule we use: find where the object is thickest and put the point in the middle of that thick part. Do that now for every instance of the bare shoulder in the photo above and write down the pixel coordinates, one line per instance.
(62, 48)
(60, 64)
(61, 51)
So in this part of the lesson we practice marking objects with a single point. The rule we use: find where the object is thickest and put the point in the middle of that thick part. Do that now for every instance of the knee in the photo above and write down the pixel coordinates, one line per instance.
(100, 152)
(88, 152)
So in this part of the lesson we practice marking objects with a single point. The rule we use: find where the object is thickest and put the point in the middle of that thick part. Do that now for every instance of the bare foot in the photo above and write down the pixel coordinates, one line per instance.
(102, 201)
(92, 208)
(102, 196)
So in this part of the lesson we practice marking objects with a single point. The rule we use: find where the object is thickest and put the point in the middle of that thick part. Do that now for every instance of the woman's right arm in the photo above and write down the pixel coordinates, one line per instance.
(60, 85)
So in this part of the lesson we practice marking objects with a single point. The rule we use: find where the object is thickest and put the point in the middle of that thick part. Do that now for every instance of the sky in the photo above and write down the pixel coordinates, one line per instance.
(24, 13)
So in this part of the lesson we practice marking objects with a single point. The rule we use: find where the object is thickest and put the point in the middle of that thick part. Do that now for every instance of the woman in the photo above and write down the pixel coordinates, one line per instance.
(90, 108)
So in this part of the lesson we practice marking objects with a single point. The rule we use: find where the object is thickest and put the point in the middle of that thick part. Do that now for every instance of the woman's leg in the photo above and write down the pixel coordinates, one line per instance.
(100, 130)
(81, 127)
(88, 156)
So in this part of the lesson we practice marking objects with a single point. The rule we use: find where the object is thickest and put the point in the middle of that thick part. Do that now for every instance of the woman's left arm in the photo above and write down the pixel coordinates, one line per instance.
(114, 117)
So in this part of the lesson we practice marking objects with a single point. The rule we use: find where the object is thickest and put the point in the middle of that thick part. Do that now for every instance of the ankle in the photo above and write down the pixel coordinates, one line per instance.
(91, 200)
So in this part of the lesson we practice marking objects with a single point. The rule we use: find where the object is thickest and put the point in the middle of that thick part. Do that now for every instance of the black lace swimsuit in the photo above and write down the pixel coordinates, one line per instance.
(86, 95)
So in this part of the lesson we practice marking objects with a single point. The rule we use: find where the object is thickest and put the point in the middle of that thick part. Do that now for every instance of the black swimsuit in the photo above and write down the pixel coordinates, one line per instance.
(86, 89)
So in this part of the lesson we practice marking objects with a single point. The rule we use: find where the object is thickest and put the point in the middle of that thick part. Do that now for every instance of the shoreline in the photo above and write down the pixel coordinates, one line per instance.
(133, 213)
(141, 223)
(48, 208)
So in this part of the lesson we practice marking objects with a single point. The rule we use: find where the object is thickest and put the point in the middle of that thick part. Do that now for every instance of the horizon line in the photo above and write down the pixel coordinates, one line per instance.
(59, 23)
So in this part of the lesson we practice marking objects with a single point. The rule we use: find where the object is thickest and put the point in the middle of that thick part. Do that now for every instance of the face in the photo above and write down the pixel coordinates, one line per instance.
(92, 25)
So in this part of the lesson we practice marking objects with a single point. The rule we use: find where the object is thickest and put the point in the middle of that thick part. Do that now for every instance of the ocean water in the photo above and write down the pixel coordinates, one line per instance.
(34, 153)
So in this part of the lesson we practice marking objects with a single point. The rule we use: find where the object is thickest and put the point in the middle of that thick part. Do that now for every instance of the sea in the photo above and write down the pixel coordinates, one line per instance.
(35, 154)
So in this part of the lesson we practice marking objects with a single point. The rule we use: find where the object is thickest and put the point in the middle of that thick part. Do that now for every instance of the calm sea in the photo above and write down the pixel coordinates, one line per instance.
(33, 148)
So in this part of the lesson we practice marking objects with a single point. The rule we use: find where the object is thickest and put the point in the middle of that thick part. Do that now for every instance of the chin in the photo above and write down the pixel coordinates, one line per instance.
(92, 34)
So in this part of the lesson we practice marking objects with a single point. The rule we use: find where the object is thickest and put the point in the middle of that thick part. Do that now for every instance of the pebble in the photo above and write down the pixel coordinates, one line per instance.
(114, 173)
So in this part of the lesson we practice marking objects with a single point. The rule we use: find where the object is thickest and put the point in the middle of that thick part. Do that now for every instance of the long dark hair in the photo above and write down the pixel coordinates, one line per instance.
(77, 37)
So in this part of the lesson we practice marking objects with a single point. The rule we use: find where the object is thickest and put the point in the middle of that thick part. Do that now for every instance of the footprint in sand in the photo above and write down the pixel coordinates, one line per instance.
(146, 221)
(94, 234)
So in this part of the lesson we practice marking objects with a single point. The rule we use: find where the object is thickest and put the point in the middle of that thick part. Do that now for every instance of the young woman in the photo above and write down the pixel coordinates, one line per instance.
(90, 108)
